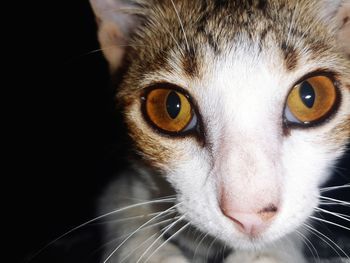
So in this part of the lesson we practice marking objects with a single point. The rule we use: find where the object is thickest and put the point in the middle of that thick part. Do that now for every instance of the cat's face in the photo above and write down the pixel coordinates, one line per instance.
(244, 106)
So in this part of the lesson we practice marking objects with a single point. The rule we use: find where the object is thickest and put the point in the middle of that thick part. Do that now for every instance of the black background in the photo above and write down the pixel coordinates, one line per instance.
(67, 137)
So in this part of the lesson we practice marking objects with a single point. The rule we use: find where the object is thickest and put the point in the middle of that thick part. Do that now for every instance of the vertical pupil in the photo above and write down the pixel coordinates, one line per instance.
(173, 104)
(307, 94)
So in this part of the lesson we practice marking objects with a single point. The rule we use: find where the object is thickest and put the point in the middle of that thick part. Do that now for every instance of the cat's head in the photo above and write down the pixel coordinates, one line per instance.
(244, 106)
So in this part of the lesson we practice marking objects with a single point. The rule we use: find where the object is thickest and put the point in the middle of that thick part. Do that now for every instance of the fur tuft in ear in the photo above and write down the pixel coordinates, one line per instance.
(336, 13)
(115, 23)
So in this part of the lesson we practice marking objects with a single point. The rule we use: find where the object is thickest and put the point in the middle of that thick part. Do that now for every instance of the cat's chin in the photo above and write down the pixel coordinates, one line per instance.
(251, 243)
(256, 243)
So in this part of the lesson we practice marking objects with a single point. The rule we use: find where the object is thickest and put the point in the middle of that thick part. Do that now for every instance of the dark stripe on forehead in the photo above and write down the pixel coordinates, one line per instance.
(190, 63)
(318, 49)
(262, 4)
(218, 4)
(291, 56)
(263, 36)
(202, 29)
(213, 44)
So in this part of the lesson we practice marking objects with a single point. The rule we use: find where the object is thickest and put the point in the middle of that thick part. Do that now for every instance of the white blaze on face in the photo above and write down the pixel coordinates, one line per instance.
(251, 180)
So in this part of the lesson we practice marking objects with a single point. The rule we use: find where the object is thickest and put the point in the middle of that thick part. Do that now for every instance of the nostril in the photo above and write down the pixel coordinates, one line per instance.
(268, 212)
(241, 225)
(269, 208)
(248, 223)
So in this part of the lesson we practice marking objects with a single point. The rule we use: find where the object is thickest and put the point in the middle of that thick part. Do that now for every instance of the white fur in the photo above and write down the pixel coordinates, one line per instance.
(250, 154)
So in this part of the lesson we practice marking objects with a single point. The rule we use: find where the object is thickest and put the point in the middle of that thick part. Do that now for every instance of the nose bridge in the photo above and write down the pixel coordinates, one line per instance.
(255, 154)
(249, 172)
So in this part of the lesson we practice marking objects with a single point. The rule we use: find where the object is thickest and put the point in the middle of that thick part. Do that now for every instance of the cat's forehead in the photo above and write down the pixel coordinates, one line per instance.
(179, 34)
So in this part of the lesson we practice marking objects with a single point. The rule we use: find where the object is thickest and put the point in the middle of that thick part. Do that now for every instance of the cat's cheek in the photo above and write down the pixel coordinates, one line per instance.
(158, 150)
(197, 194)
(303, 174)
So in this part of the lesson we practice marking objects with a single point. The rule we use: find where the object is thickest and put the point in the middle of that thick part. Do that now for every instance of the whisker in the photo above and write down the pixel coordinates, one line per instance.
(149, 238)
(205, 235)
(333, 204)
(181, 25)
(309, 245)
(208, 251)
(158, 238)
(325, 241)
(329, 222)
(130, 218)
(172, 35)
(166, 197)
(168, 239)
(291, 25)
(342, 173)
(91, 221)
(79, 56)
(124, 236)
(110, 47)
(165, 200)
(223, 251)
(328, 203)
(327, 189)
(134, 232)
(140, 245)
(176, 42)
(335, 200)
(339, 215)
(318, 233)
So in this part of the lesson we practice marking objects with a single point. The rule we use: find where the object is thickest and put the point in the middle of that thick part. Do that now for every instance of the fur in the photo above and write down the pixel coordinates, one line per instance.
(238, 61)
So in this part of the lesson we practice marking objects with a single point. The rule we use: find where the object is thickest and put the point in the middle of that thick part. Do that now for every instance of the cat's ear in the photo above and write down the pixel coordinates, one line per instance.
(336, 13)
(116, 20)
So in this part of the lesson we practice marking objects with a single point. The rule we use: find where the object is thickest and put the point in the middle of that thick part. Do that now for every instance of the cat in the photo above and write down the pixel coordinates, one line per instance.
(236, 110)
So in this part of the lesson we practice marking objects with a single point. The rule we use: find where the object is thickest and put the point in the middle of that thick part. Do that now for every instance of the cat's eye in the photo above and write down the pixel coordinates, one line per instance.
(311, 101)
(169, 110)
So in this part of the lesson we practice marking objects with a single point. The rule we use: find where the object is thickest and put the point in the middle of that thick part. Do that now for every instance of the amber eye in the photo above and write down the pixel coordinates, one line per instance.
(169, 110)
(312, 100)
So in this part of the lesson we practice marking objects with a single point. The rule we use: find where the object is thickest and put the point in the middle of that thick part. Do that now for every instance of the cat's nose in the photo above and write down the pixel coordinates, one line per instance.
(251, 223)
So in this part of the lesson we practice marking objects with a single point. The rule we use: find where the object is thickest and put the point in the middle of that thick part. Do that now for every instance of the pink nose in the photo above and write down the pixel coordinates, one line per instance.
(251, 224)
